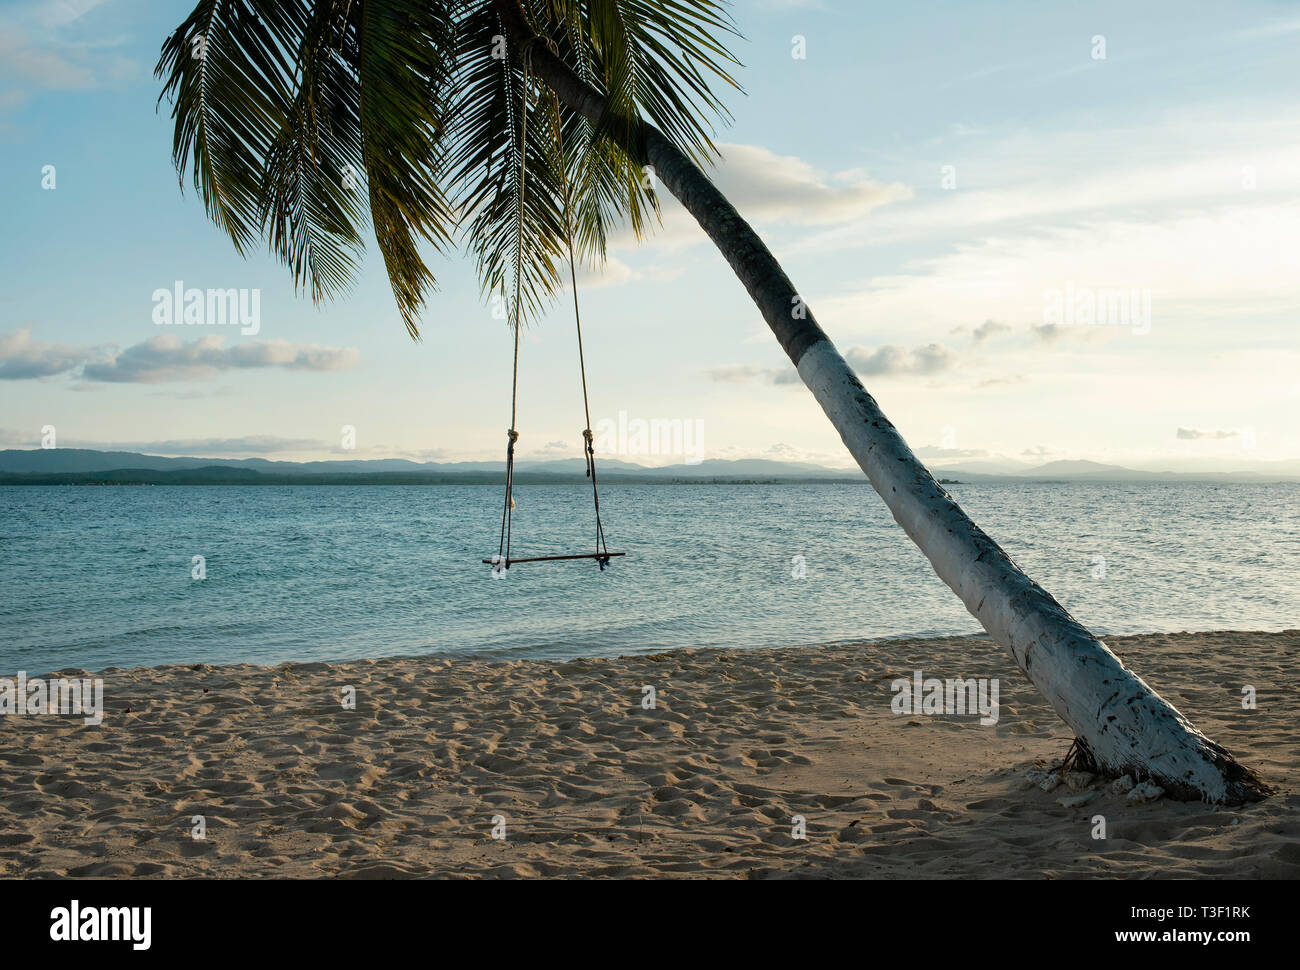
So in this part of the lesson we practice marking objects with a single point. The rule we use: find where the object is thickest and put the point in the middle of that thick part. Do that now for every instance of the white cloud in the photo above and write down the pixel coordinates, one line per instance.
(766, 187)
(40, 50)
(40, 66)
(162, 358)
(893, 360)
(1191, 159)
(885, 361)
(1199, 267)
(22, 358)
(987, 330)
(1192, 434)
(772, 190)
(167, 358)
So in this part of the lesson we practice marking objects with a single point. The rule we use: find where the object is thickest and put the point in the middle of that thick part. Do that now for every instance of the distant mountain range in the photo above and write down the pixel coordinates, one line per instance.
(85, 466)
(1195, 470)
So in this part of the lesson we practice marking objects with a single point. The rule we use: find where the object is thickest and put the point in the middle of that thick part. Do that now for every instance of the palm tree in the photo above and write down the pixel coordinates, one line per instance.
(304, 120)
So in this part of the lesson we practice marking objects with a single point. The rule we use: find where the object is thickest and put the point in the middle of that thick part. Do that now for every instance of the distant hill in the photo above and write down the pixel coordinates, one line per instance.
(80, 466)
(1194, 470)
(44, 461)
(87, 466)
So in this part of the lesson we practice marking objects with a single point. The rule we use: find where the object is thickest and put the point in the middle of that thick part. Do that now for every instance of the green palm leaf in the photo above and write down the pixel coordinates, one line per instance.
(308, 122)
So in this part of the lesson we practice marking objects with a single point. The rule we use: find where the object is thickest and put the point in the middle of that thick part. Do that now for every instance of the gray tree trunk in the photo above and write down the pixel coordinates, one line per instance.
(1122, 726)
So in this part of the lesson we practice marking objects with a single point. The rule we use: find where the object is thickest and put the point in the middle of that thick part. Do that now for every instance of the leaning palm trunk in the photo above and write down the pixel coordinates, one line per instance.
(1121, 725)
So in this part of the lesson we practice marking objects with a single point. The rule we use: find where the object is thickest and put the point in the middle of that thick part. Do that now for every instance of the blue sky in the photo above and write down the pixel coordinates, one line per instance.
(927, 174)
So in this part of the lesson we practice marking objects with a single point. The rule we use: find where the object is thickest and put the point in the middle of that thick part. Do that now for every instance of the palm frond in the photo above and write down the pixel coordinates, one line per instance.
(486, 143)
(650, 60)
(311, 206)
(299, 121)
(405, 59)
(607, 184)
(228, 71)
(677, 56)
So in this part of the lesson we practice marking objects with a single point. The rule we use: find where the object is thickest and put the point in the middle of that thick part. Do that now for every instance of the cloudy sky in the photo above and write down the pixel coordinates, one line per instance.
(938, 180)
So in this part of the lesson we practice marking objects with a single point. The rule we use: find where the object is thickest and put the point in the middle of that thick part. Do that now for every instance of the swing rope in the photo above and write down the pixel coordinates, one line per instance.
(602, 553)
(602, 550)
(503, 552)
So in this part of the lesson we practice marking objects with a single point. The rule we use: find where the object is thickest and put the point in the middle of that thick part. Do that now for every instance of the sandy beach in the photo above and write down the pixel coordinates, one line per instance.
(590, 782)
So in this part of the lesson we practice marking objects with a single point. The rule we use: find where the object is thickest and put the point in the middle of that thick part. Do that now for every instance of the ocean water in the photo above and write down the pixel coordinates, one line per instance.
(95, 577)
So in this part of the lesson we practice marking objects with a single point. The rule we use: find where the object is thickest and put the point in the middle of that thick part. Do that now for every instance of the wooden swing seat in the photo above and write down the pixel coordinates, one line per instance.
(582, 555)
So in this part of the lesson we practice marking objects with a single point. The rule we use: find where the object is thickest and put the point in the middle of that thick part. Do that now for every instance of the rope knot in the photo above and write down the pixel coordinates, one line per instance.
(536, 41)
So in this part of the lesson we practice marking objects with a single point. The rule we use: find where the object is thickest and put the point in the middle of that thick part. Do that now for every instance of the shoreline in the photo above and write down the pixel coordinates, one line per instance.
(490, 657)
(502, 656)
(591, 782)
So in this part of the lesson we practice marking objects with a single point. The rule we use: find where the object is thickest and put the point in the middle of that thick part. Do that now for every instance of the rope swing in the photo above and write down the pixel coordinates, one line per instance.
(602, 555)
